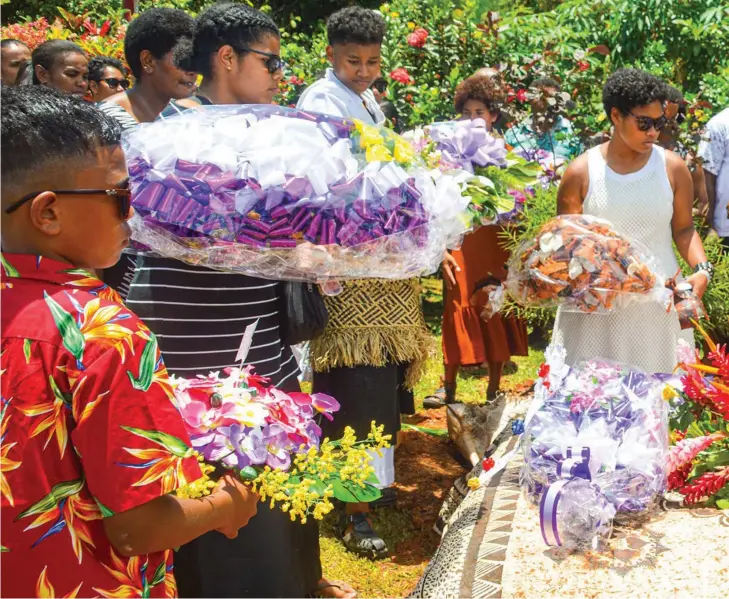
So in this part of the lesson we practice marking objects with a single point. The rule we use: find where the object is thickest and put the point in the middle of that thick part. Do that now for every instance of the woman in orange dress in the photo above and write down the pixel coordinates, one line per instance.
(468, 339)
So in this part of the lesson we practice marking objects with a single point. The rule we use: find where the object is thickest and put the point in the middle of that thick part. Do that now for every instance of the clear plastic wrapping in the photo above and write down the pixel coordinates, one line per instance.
(582, 264)
(284, 194)
(600, 425)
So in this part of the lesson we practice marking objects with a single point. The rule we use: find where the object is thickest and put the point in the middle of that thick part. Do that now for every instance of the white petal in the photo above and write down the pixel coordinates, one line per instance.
(575, 269)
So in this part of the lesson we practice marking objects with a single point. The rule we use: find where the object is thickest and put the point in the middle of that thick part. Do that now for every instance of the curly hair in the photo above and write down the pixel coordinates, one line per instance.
(356, 25)
(160, 31)
(228, 24)
(48, 52)
(627, 88)
(481, 88)
(98, 63)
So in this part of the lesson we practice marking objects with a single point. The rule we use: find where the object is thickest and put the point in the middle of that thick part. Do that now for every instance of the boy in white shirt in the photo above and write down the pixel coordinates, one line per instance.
(714, 150)
(355, 40)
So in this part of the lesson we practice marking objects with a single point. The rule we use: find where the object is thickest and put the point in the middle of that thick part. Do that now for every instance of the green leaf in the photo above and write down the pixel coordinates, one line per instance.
(723, 504)
(27, 349)
(349, 492)
(58, 492)
(159, 574)
(9, 269)
(718, 459)
(248, 473)
(73, 339)
(105, 511)
(175, 446)
(147, 365)
(66, 398)
(436, 432)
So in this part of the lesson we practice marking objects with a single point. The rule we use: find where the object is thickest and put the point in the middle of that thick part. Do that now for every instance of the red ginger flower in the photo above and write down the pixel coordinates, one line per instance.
(418, 38)
(686, 450)
(720, 359)
(677, 479)
(401, 75)
(705, 485)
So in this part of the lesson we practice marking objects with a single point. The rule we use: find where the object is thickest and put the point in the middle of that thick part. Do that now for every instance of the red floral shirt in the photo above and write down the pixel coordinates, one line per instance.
(89, 429)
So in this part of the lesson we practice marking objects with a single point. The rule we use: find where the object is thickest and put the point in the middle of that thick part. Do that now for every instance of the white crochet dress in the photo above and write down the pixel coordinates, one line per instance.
(640, 206)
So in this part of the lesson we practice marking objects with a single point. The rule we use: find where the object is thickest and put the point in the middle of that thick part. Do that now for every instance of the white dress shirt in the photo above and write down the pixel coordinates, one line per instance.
(714, 150)
(330, 96)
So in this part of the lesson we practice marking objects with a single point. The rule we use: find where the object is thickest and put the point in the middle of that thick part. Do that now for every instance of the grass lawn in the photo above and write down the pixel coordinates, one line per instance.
(426, 467)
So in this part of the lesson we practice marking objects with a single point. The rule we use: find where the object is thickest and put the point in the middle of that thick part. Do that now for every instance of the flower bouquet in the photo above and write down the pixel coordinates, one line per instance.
(271, 440)
(698, 462)
(583, 265)
(595, 447)
(500, 179)
(283, 194)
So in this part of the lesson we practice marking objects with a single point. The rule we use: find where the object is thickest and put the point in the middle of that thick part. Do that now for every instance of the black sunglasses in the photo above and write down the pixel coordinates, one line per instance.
(645, 122)
(113, 82)
(273, 61)
(122, 195)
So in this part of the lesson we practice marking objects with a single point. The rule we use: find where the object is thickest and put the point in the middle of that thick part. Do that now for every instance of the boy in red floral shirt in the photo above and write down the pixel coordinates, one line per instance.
(92, 443)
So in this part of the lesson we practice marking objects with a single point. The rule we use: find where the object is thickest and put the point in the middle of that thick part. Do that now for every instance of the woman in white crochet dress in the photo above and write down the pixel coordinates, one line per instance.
(647, 194)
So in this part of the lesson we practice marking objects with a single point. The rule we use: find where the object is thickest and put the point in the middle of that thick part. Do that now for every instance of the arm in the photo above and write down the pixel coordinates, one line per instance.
(573, 187)
(685, 237)
(701, 194)
(710, 196)
(169, 521)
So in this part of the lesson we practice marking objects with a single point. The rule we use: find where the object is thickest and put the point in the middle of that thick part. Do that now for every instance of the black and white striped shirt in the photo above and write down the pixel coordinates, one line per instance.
(115, 111)
(199, 317)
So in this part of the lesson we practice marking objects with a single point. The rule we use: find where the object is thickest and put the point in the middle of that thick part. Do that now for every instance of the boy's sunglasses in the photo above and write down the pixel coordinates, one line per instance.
(645, 122)
(113, 82)
(273, 61)
(123, 197)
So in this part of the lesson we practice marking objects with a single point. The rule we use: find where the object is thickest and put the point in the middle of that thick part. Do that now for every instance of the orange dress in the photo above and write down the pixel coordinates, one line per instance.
(469, 340)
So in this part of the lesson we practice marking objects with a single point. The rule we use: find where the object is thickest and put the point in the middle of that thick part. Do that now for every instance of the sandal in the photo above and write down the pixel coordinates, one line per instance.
(442, 397)
(389, 496)
(361, 539)
(324, 586)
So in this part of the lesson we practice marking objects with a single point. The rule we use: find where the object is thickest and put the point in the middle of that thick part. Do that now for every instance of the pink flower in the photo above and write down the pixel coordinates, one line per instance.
(401, 75)
(686, 450)
(418, 38)
(521, 95)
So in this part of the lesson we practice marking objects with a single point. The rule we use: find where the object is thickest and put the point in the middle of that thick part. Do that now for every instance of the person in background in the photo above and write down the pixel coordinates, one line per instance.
(646, 193)
(13, 53)
(547, 129)
(157, 48)
(670, 139)
(106, 77)
(199, 316)
(62, 65)
(376, 343)
(714, 152)
(157, 41)
(468, 339)
(502, 118)
(83, 512)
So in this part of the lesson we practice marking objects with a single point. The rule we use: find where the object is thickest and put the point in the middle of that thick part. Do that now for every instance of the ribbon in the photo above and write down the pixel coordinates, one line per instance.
(576, 465)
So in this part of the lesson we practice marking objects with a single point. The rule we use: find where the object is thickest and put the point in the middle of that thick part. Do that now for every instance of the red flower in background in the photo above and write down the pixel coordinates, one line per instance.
(418, 38)
(583, 65)
(521, 95)
(401, 75)
(487, 464)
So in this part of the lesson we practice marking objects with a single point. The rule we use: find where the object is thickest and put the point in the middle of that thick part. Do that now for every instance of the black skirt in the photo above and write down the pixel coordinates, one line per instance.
(365, 393)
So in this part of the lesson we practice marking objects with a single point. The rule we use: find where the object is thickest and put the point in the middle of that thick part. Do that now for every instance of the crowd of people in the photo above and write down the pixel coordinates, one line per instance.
(66, 203)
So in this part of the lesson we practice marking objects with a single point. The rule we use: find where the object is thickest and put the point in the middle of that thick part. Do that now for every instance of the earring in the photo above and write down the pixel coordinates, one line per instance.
(230, 68)
(148, 69)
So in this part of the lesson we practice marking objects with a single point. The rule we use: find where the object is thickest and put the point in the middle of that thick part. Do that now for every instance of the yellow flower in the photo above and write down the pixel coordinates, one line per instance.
(411, 25)
(394, 15)
(669, 392)
(369, 135)
(477, 35)
(473, 483)
(404, 152)
(458, 13)
(601, 117)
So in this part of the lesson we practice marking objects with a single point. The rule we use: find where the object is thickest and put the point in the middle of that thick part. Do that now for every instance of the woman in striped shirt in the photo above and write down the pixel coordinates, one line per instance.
(199, 316)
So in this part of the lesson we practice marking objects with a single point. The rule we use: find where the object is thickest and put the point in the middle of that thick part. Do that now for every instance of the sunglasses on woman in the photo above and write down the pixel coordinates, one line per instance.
(122, 195)
(114, 83)
(645, 122)
(273, 62)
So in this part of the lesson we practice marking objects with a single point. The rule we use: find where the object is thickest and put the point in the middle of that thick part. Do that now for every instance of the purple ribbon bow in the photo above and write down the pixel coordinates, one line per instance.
(468, 144)
(576, 465)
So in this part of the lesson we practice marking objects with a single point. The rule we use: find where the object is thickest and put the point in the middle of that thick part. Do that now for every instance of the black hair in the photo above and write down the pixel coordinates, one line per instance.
(11, 42)
(25, 73)
(356, 25)
(481, 88)
(98, 63)
(543, 82)
(48, 52)
(42, 127)
(228, 24)
(675, 96)
(160, 31)
(627, 88)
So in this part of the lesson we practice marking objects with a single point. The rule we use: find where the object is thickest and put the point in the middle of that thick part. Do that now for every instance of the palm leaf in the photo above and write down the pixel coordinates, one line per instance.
(73, 340)
(175, 446)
